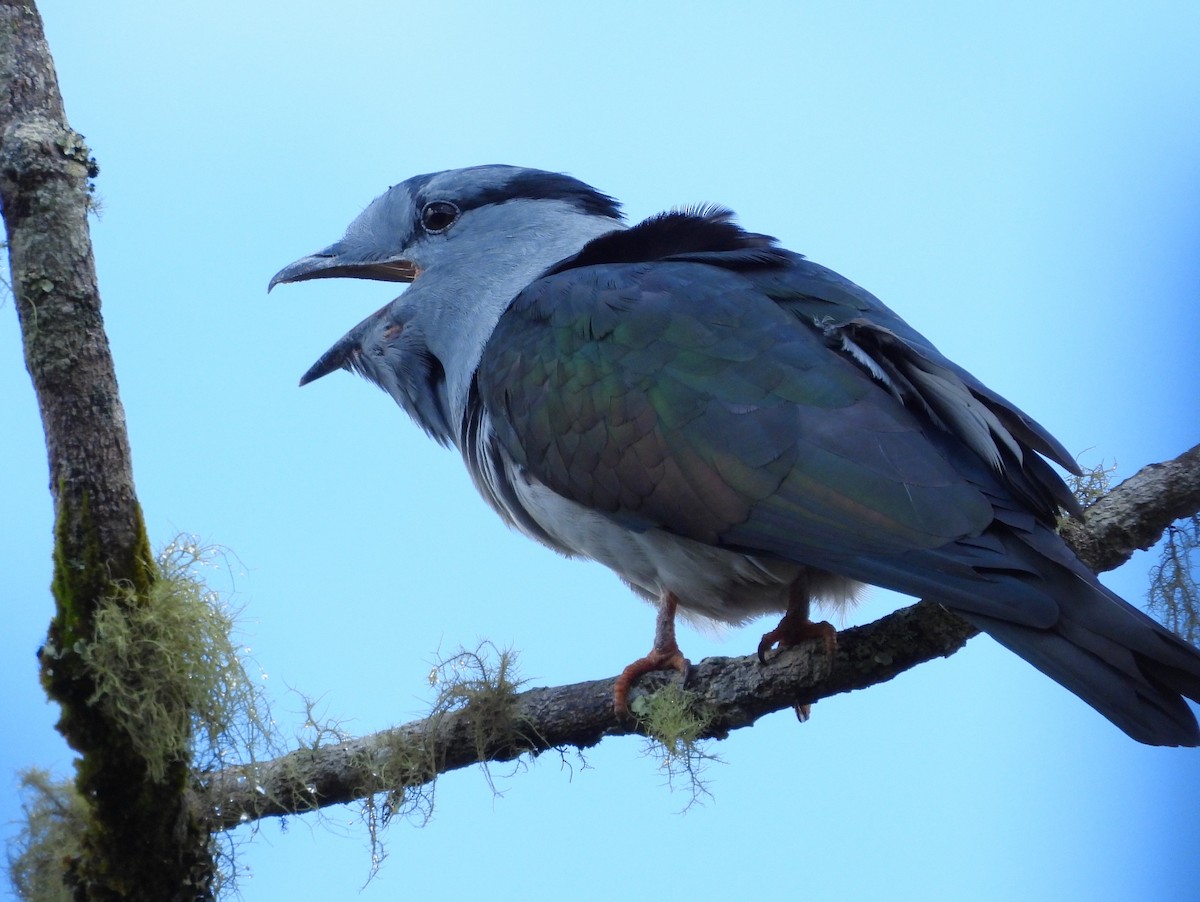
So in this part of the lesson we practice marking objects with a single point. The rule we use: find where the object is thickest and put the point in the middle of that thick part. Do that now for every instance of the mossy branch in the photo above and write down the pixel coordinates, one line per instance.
(141, 840)
(732, 692)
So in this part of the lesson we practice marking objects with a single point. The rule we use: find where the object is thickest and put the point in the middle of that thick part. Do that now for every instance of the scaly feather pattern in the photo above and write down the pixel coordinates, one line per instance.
(736, 395)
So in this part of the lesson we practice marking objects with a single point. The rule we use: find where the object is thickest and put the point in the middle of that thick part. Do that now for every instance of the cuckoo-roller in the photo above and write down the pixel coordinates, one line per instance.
(733, 429)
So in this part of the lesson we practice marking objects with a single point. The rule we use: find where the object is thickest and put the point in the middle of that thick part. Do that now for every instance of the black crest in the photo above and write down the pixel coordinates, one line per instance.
(702, 234)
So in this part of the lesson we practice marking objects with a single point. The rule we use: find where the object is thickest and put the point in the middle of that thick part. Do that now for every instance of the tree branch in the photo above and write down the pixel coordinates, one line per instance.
(1134, 514)
(733, 692)
(45, 196)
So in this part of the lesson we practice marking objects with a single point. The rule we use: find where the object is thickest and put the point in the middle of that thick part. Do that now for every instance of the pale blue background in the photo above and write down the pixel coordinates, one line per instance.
(1020, 181)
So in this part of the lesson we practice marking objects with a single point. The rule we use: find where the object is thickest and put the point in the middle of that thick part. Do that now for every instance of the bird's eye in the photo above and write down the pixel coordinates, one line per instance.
(438, 215)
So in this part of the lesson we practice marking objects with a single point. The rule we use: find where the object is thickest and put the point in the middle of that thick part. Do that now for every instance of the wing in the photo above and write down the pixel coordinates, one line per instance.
(680, 395)
(945, 394)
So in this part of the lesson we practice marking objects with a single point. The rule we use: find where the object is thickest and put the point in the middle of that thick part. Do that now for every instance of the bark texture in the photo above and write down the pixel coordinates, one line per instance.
(731, 692)
(143, 841)
(1134, 515)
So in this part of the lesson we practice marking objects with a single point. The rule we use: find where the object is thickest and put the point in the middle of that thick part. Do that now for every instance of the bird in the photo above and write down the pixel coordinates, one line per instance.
(733, 429)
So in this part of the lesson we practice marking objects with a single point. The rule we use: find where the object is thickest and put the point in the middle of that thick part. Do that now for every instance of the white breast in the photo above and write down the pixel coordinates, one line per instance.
(710, 583)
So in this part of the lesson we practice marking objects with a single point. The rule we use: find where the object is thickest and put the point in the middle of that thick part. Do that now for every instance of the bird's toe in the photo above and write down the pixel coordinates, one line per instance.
(794, 630)
(670, 658)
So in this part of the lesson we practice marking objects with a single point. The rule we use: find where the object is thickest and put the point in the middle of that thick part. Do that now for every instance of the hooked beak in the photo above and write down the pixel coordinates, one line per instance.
(345, 355)
(338, 261)
(340, 357)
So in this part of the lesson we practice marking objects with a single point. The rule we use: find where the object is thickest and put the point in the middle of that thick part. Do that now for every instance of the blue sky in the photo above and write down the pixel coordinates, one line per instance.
(1020, 182)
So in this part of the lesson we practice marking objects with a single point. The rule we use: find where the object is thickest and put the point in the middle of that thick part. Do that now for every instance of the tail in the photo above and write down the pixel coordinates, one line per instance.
(1114, 657)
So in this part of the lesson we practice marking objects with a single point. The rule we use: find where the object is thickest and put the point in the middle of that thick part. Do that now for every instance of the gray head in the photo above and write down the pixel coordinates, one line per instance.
(468, 240)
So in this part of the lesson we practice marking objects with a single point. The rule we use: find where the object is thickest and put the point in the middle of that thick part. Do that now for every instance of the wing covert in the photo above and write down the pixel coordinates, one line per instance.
(679, 395)
(865, 330)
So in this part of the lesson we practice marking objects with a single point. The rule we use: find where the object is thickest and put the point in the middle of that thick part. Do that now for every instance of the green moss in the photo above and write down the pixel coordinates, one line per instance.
(1092, 484)
(482, 685)
(79, 575)
(49, 839)
(478, 686)
(150, 685)
(83, 575)
(165, 667)
(674, 720)
(673, 717)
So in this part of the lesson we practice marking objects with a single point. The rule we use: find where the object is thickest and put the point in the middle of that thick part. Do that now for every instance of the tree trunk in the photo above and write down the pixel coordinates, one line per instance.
(143, 841)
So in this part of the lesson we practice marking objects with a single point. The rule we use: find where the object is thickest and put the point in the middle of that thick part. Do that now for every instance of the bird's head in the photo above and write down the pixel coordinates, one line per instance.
(468, 240)
(450, 219)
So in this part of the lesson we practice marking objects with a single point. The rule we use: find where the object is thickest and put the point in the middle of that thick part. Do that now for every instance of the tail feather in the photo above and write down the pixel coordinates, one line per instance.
(1115, 658)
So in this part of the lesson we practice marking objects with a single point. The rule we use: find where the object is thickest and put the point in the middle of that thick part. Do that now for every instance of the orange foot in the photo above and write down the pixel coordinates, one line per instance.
(794, 630)
(665, 655)
(658, 659)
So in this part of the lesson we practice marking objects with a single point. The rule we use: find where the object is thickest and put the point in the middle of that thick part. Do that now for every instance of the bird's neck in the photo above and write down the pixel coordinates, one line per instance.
(473, 298)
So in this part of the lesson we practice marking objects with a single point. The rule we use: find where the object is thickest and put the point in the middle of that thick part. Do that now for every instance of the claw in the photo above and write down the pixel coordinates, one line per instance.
(665, 659)
(796, 627)
(788, 634)
(792, 633)
(665, 655)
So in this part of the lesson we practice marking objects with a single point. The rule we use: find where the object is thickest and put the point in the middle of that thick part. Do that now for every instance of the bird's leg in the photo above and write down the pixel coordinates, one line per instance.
(796, 627)
(665, 655)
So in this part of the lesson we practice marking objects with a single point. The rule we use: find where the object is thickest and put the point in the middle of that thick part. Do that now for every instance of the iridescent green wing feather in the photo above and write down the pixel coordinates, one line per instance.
(678, 395)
